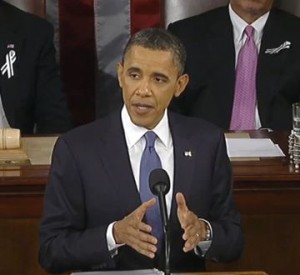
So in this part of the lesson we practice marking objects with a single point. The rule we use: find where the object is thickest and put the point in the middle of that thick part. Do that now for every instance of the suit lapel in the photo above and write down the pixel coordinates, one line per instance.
(270, 65)
(184, 163)
(222, 54)
(114, 155)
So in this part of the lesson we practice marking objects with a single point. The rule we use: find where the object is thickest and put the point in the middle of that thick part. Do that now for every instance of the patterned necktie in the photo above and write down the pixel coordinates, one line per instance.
(243, 112)
(150, 161)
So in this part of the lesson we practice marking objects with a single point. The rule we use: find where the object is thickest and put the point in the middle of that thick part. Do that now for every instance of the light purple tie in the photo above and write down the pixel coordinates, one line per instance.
(243, 111)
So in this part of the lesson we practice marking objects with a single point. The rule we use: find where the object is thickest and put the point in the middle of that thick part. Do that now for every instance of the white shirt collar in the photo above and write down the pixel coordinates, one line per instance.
(239, 25)
(133, 133)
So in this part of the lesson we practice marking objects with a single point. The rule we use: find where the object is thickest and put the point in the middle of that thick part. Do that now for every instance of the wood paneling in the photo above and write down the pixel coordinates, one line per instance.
(19, 246)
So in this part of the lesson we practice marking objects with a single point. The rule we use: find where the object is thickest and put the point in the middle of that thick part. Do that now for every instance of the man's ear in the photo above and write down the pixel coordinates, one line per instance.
(182, 81)
(120, 73)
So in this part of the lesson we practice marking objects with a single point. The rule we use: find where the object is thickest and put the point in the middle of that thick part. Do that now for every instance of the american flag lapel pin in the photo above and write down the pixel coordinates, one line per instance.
(187, 153)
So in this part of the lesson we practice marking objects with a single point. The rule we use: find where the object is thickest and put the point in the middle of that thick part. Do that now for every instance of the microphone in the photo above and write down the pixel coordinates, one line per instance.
(159, 183)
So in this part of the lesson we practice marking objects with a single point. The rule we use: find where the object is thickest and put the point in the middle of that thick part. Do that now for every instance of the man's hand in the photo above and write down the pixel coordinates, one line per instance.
(135, 233)
(194, 229)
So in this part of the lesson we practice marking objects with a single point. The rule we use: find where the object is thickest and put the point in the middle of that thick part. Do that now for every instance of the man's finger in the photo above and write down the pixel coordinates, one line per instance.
(145, 206)
(181, 202)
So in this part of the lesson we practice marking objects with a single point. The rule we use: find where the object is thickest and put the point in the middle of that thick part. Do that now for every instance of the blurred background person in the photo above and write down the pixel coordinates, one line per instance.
(31, 94)
(219, 90)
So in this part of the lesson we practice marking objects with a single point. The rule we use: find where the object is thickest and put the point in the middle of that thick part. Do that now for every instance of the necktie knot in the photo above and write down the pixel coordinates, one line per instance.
(150, 137)
(249, 30)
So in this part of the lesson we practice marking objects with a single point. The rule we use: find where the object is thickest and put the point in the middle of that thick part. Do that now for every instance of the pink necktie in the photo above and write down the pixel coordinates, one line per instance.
(243, 111)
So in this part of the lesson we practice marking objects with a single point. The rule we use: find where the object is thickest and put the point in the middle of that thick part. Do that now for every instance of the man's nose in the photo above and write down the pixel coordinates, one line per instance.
(144, 89)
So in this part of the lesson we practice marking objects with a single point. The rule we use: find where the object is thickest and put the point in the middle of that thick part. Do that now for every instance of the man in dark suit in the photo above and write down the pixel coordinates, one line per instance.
(213, 40)
(31, 94)
(93, 214)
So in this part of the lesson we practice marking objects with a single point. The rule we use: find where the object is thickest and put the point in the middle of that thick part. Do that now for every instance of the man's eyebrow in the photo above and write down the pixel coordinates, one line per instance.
(156, 74)
(133, 69)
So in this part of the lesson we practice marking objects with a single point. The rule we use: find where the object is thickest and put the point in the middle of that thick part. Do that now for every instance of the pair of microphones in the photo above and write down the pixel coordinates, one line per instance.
(159, 183)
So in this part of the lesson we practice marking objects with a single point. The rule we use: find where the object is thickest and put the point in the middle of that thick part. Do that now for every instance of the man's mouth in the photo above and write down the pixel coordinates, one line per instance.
(142, 107)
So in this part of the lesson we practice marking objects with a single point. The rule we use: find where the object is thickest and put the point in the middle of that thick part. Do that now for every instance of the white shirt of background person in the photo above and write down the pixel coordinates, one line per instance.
(3, 120)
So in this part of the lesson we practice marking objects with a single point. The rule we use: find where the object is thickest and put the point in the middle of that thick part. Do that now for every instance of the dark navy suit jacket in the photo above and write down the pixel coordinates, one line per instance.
(91, 185)
(32, 96)
(208, 39)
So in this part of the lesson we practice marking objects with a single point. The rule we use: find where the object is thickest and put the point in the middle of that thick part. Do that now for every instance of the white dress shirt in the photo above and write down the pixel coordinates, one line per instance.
(136, 143)
(239, 37)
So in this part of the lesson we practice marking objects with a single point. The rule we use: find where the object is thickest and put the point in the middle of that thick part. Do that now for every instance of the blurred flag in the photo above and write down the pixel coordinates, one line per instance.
(90, 36)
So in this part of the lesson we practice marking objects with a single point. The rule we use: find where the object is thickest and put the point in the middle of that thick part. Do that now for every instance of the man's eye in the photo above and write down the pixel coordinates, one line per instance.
(134, 75)
(160, 79)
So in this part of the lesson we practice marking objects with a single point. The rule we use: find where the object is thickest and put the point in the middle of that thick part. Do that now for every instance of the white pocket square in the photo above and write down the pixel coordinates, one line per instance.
(285, 45)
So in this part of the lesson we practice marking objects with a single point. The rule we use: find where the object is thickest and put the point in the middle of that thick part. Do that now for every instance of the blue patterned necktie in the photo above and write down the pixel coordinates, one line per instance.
(150, 161)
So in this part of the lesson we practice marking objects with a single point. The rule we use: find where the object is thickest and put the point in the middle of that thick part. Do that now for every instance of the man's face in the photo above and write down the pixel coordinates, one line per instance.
(149, 79)
(255, 8)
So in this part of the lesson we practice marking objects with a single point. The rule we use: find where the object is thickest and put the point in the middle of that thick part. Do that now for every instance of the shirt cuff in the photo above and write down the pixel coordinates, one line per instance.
(111, 243)
(203, 246)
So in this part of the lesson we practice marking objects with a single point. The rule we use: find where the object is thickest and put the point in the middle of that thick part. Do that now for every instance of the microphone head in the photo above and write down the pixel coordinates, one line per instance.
(159, 181)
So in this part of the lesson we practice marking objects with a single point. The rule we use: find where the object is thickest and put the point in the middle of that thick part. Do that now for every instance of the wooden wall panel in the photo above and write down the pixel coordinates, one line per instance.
(272, 245)
(19, 247)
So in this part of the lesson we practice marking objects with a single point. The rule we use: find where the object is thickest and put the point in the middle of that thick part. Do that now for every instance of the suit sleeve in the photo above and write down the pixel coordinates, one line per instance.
(65, 241)
(228, 242)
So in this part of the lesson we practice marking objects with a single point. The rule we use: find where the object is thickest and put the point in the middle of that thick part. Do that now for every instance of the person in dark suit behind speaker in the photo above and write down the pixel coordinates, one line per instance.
(31, 94)
(94, 217)
(213, 41)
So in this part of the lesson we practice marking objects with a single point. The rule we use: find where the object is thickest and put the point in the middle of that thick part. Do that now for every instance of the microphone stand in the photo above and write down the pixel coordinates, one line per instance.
(159, 182)
(167, 250)
(166, 227)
